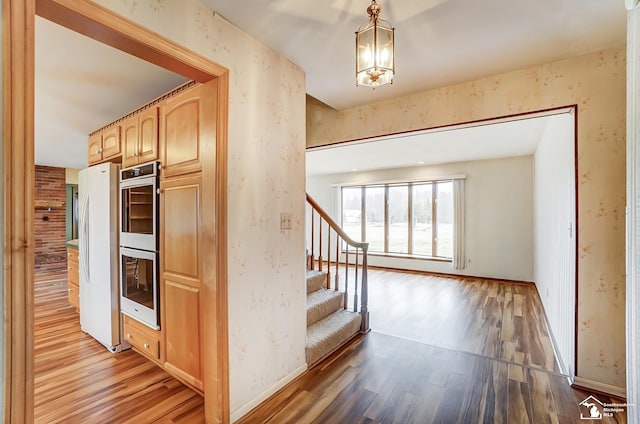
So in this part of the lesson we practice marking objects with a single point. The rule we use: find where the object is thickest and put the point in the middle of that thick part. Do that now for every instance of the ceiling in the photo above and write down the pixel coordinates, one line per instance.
(81, 84)
(499, 138)
(438, 42)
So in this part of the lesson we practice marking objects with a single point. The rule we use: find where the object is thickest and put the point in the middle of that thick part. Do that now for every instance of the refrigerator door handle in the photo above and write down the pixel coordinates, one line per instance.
(85, 236)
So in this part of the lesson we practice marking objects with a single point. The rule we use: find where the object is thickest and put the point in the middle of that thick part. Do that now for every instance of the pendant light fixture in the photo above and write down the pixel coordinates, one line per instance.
(375, 59)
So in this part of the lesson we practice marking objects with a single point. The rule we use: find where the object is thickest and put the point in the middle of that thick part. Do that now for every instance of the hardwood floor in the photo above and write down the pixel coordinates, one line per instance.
(441, 350)
(491, 318)
(472, 351)
(78, 381)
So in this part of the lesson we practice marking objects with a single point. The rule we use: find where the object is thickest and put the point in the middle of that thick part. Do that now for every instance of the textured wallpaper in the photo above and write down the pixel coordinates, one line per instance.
(267, 316)
(596, 83)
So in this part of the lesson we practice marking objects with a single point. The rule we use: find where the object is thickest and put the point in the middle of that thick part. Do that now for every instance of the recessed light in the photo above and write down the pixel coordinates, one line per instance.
(421, 162)
(353, 169)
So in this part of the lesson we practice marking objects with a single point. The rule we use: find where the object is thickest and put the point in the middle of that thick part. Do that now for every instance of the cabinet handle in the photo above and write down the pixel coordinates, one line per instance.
(100, 150)
(146, 345)
(129, 336)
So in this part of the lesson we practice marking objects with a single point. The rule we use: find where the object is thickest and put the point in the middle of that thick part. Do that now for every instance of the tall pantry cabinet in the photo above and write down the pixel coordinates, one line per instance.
(179, 130)
(185, 135)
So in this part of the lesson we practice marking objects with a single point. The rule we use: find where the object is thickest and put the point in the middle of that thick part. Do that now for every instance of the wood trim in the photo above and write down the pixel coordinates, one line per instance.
(216, 344)
(18, 121)
(324, 215)
(103, 25)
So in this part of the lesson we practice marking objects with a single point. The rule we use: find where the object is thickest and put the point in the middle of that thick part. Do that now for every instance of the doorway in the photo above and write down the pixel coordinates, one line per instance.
(521, 204)
(18, 118)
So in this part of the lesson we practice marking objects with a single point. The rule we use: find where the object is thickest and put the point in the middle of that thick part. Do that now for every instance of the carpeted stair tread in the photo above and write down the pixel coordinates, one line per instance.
(315, 280)
(322, 303)
(326, 335)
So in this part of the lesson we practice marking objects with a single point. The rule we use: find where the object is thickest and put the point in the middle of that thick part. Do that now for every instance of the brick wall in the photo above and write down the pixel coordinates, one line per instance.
(49, 229)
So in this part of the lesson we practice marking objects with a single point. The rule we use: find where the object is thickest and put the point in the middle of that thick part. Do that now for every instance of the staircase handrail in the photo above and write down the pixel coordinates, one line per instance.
(357, 244)
(364, 294)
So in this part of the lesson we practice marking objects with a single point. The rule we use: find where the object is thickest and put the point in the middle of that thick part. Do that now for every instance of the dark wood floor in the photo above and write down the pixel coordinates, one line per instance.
(441, 350)
(78, 381)
(496, 319)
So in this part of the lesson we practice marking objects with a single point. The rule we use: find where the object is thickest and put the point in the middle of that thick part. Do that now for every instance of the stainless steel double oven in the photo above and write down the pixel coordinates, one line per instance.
(139, 243)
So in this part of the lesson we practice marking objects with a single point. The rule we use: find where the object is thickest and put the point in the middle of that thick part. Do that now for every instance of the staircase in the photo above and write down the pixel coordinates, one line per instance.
(329, 326)
(330, 323)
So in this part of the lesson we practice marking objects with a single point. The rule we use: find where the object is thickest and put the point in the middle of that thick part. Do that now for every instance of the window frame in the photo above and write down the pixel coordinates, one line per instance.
(410, 212)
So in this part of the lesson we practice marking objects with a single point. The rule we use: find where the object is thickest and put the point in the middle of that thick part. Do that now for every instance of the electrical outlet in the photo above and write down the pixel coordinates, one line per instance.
(285, 221)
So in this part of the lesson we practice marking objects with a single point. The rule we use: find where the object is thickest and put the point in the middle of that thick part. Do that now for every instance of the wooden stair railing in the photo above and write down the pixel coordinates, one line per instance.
(361, 248)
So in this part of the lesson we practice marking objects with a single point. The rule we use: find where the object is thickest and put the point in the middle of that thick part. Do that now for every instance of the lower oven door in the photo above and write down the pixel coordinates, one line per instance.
(139, 285)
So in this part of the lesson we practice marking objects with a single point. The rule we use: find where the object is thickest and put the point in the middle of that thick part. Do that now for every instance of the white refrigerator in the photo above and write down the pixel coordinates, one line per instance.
(98, 197)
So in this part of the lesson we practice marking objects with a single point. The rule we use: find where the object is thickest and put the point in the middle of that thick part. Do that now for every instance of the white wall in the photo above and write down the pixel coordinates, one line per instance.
(499, 215)
(554, 225)
(633, 215)
(266, 173)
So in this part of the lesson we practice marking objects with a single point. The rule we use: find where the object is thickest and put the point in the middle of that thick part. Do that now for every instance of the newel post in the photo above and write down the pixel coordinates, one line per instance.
(364, 300)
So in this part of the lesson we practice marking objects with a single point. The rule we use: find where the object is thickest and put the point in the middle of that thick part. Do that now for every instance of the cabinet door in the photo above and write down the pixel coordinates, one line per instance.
(182, 332)
(148, 135)
(180, 132)
(111, 142)
(181, 276)
(130, 141)
(95, 148)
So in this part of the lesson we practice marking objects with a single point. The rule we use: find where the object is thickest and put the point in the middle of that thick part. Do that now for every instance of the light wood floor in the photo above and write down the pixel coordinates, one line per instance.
(441, 350)
(78, 381)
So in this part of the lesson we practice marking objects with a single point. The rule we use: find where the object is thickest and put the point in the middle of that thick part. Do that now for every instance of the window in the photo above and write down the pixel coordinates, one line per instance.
(374, 226)
(352, 212)
(413, 219)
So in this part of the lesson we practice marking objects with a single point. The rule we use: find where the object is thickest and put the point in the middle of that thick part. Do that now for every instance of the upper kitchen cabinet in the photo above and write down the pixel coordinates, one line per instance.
(95, 148)
(104, 144)
(140, 137)
(183, 126)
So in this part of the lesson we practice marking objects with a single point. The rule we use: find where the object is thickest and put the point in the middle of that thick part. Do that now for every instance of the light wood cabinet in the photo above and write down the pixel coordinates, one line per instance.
(111, 142)
(104, 145)
(143, 339)
(95, 148)
(140, 138)
(180, 229)
(73, 278)
(181, 131)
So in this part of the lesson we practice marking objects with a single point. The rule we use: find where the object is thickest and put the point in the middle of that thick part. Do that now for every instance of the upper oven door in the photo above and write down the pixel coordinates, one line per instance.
(138, 213)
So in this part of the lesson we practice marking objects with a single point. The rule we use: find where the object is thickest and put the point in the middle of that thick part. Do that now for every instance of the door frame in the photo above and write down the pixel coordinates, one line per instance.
(101, 24)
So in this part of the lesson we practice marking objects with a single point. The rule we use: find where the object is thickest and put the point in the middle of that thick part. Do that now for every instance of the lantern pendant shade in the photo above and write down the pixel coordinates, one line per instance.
(375, 61)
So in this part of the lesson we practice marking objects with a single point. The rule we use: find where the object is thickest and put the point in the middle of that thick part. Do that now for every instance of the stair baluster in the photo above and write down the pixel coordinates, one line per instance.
(311, 264)
(329, 257)
(337, 278)
(346, 278)
(360, 287)
(320, 246)
(364, 306)
(355, 288)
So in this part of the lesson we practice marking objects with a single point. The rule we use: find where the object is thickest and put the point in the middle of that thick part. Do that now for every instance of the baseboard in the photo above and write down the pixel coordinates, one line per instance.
(607, 389)
(248, 407)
